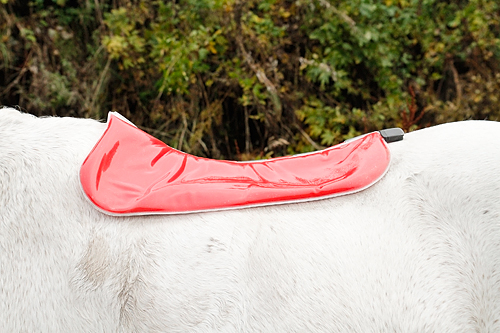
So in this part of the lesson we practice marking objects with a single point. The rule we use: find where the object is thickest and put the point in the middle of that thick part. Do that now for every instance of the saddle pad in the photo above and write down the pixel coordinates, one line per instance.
(129, 172)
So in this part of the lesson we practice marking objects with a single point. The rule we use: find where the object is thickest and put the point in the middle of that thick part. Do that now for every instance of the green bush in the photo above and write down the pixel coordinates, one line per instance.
(253, 79)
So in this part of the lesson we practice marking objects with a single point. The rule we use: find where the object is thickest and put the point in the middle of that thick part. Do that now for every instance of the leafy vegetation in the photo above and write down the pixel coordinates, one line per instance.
(253, 79)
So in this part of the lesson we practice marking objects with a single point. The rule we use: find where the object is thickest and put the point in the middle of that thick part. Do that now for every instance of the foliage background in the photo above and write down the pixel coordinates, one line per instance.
(251, 79)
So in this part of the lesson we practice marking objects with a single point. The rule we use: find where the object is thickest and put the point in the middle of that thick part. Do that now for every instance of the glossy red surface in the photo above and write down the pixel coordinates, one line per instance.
(130, 172)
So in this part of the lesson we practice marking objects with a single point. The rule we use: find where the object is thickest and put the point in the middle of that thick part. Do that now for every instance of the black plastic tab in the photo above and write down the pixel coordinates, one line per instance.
(392, 134)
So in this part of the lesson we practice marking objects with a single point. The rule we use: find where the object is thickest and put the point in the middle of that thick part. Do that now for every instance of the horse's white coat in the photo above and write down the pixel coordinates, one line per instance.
(417, 252)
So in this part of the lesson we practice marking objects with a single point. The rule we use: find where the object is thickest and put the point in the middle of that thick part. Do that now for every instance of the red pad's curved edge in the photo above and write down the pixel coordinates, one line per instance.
(129, 172)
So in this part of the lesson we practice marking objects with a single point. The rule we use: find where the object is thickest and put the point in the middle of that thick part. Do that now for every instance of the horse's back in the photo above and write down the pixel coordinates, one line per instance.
(417, 252)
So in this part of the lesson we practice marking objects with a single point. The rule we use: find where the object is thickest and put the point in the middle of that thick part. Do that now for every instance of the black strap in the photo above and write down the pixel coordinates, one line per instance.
(392, 134)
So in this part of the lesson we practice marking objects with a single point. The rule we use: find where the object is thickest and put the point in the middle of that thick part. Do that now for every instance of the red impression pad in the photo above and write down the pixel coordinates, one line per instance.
(129, 172)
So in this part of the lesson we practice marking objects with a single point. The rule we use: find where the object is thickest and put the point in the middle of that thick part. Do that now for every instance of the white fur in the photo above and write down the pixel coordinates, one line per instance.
(417, 252)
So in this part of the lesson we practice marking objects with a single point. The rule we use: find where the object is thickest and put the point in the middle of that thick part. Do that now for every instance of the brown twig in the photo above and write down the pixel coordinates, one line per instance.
(237, 148)
(456, 80)
(248, 143)
(99, 13)
(410, 117)
(183, 132)
(23, 70)
(99, 84)
(159, 132)
(308, 138)
(343, 16)
(262, 77)
(259, 72)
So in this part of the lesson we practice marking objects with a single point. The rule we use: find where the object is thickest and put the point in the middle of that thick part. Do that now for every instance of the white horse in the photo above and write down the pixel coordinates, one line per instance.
(417, 252)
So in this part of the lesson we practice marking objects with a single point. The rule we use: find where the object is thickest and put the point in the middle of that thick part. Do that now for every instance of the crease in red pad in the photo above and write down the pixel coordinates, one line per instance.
(129, 172)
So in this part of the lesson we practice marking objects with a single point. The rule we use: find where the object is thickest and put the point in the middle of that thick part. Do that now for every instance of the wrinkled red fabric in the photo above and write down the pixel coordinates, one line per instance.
(130, 172)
